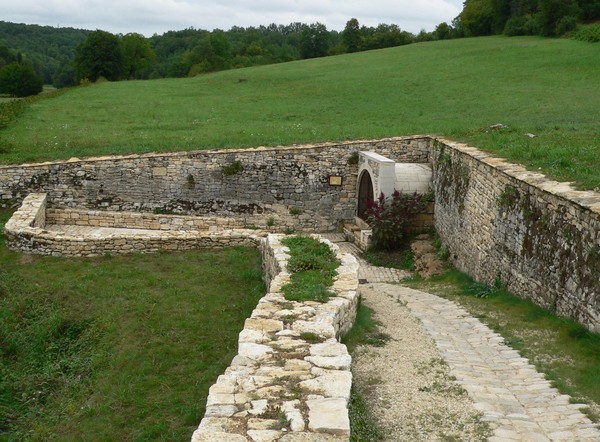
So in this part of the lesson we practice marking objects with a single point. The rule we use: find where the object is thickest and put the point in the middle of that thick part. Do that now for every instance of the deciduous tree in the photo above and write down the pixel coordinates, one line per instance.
(138, 55)
(20, 80)
(314, 41)
(100, 55)
(351, 36)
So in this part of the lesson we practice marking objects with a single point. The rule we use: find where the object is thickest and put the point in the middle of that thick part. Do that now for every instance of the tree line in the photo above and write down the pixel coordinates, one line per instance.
(551, 18)
(66, 56)
(195, 51)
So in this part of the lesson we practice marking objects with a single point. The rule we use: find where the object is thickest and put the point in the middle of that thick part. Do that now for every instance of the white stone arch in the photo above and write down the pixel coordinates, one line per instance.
(381, 170)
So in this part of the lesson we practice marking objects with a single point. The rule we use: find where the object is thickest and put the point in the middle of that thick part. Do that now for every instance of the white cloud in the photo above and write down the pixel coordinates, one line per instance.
(158, 16)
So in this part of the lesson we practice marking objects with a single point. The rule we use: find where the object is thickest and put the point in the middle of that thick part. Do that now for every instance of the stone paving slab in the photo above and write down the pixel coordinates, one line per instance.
(367, 273)
(513, 397)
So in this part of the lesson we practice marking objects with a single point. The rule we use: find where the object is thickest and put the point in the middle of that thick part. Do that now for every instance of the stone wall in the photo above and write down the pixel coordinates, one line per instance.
(291, 379)
(503, 224)
(28, 232)
(500, 222)
(285, 186)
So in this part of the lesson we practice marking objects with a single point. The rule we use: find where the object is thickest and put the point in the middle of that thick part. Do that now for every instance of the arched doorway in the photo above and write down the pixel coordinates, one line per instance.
(365, 194)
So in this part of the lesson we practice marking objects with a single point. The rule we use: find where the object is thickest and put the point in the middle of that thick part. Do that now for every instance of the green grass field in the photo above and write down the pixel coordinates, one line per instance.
(117, 348)
(457, 88)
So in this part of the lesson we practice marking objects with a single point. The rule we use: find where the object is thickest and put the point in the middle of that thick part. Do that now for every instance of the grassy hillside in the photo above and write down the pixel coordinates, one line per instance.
(548, 87)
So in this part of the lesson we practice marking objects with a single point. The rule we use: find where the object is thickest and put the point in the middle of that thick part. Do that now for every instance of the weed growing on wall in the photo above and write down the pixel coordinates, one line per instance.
(353, 158)
(508, 197)
(233, 168)
(390, 217)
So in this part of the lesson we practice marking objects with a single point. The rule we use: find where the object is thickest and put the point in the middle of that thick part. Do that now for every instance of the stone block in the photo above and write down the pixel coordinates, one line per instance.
(329, 415)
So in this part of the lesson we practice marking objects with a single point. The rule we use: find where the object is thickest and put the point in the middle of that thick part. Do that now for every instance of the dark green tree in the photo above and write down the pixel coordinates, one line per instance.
(6, 56)
(138, 55)
(443, 31)
(590, 9)
(64, 76)
(351, 36)
(100, 55)
(20, 80)
(212, 54)
(477, 17)
(555, 17)
(314, 41)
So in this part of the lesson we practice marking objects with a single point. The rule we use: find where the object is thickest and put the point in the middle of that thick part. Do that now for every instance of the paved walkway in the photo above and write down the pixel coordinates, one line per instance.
(513, 397)
(367, 273)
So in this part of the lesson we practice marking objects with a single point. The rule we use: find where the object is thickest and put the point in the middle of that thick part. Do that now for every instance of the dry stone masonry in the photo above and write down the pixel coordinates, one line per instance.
(291, 378)
(286, 187)
(28, 231)
(499, 222)
(503, 224)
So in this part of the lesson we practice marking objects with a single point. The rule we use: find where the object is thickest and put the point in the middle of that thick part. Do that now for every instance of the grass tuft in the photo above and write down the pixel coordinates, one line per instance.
(313, 267)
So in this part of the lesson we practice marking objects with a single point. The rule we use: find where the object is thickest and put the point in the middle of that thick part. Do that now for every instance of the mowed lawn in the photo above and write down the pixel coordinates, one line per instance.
(117, 348)
(546, 87)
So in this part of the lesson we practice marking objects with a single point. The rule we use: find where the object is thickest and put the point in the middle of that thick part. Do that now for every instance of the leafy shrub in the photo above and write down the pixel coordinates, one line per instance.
(589, 33)
(520, 25)
(233, 168)
(353, 158)
(389, 218)
(565, 24)
(20, 80)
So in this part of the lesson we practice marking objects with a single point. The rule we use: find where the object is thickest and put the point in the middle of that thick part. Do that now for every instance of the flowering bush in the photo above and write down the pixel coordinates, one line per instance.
(389, 218)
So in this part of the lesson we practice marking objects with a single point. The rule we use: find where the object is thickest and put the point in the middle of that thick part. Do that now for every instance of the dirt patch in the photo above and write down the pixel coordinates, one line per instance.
(426, 260)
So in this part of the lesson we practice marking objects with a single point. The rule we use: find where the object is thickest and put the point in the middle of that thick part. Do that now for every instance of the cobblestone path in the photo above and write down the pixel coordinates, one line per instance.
(516, 400)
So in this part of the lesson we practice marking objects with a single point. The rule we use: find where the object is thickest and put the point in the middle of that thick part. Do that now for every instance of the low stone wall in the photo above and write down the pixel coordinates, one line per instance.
(27, 231)
(504, 224)
(291, 379)
(139, 220)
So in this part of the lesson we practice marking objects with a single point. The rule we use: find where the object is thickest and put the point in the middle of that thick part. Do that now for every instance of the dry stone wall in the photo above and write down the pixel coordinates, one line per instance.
(291, 379)
(503, 224)
(286, 186)
(499, 222)
(28, 232)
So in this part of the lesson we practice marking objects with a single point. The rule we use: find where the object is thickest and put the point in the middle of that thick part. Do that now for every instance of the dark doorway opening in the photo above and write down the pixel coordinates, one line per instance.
(365, 195)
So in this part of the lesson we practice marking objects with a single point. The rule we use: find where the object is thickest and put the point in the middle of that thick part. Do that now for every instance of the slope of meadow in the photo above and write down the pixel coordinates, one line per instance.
(456, 88)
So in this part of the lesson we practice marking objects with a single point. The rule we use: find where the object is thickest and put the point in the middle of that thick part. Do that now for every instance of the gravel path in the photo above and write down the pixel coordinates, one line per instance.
(406, 382)
(446, 376)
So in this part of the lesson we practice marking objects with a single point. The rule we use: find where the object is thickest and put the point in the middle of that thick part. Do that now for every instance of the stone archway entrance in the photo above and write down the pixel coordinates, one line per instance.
(365, 194)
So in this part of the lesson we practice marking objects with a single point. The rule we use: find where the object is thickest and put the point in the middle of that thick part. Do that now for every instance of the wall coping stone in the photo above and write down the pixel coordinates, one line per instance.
(587, 199)
(280, 148)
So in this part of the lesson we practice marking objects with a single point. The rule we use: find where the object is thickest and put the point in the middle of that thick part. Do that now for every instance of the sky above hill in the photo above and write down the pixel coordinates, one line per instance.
(158, 16)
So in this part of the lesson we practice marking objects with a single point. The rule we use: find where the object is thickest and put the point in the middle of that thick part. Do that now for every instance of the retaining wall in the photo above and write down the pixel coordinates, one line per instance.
(284, 186)
(499, 222)
(503, 224)
(291, 379)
